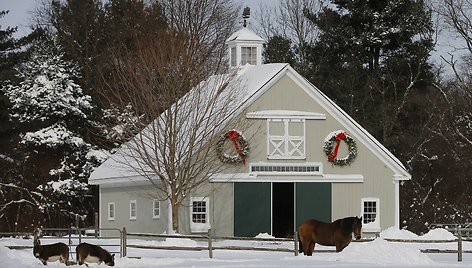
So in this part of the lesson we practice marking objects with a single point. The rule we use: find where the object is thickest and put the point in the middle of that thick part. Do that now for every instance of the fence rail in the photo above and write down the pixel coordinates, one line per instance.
(66, 234)
(123, 237)
(210, 239)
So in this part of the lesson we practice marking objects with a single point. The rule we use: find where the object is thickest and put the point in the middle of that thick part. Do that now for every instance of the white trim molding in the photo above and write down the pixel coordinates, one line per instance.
(288, 114)
(285, 177)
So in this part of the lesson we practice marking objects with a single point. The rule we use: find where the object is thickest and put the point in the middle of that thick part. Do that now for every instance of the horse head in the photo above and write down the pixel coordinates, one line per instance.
(357, 227)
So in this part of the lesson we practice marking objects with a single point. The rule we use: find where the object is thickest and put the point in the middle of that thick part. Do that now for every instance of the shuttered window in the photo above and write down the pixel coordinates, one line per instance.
(286, 139)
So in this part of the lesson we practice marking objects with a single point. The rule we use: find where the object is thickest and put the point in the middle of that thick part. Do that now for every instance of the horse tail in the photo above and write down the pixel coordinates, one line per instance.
(300, 245)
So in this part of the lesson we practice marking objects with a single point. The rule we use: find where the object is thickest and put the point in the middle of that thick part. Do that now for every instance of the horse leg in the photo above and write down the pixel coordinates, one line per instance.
(340, 246)
(311, 248)
(306, 246)
(300, 245)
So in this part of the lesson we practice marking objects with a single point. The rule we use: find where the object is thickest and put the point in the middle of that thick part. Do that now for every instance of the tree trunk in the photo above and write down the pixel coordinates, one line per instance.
(175, 216)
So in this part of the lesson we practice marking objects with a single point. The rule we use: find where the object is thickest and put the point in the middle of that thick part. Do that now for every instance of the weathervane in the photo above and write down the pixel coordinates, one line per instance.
(246, 15)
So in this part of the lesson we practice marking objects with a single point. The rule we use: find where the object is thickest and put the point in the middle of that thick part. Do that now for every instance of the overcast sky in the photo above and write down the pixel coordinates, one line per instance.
(20, 13)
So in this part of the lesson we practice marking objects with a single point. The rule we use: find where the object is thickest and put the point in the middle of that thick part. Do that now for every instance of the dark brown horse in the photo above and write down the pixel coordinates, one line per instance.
(337, 233)
(52, 252)
(93, 253)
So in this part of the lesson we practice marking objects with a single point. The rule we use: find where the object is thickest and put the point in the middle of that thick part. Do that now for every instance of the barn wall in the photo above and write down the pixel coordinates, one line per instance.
(378, 179)
(121, 196)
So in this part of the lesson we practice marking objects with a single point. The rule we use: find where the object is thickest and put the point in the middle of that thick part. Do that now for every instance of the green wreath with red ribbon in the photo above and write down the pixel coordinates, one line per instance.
(240, 145)
(331, 146)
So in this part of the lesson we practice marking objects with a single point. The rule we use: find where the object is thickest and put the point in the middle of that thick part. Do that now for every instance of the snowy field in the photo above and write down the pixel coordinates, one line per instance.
(378, 253)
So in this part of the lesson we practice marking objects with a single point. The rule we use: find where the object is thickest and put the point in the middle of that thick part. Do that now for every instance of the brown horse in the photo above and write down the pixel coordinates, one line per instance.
(93, 253)
(337, 233)
(52, 252)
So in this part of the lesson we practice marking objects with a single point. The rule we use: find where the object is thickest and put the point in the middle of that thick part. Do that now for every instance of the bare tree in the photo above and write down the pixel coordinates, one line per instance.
(288, 20)
(457, 16)
(182, 88)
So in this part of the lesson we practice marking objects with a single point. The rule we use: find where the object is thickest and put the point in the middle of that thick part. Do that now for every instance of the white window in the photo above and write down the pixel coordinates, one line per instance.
(233, 56)
(199, 214)
(370, 215)
(132, 210)
(286, 139)
(156, 209)
(248, 55)
(111, 211)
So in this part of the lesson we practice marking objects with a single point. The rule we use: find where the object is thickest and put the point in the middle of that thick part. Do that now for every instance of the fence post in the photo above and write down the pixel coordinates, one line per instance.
(80, 234)
(36, 234)
(77, 224)
(96, 224)
(210, 244)
(459, 245)
(123, 243)
(295, 238)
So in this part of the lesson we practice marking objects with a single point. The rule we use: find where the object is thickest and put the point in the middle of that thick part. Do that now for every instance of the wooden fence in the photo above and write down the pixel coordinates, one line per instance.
(124, 237)
(210, 239)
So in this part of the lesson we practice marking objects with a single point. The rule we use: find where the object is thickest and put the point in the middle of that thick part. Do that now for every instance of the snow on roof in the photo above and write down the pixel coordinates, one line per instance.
(245, 34)
(123, 164)
(254, 80)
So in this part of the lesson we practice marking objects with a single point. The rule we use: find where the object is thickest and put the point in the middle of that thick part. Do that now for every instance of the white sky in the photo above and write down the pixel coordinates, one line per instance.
(20, 13)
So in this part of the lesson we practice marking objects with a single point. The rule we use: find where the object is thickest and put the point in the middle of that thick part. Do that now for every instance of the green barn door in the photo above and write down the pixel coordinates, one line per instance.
(313, 201)
(251, 208)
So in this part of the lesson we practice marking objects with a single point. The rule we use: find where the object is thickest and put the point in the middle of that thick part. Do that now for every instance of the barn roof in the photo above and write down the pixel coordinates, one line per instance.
(256, 80)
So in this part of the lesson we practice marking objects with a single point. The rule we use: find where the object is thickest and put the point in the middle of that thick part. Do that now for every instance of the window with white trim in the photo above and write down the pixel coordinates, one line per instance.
(370, 215)
(286, 139)
(199, 214)
(248, 55)
(233, 56)
(111, 211)
(156, 209)
(133, 210)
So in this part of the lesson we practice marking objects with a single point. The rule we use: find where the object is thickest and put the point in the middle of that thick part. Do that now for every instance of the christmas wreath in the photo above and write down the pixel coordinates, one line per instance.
(333, 140)
(239, 143)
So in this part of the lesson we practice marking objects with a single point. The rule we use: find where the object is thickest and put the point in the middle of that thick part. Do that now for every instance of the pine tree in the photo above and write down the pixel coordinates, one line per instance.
(52, 112)
(279, 50)
(371, 56)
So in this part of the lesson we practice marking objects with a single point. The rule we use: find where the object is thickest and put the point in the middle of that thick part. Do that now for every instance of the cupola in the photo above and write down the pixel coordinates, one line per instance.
(245, 46)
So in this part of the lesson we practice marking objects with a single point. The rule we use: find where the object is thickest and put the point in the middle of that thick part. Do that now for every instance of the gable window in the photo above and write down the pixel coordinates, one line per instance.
(199, 214)
(286, 139)
(111, 211)
(370, 215)
(156, 209)
(248, 55)
(132, 210)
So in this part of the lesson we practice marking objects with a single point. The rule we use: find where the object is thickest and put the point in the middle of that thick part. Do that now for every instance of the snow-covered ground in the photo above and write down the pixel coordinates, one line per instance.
(378, 253)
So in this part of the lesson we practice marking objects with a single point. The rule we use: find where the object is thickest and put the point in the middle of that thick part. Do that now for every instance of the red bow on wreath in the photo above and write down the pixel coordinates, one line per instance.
(339, 137)
(233, 135)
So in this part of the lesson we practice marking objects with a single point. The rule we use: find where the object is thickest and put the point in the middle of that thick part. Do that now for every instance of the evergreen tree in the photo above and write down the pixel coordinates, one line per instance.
(371, 56)
(8, 47)
(52, 112)
(279, 50)
(372, 59)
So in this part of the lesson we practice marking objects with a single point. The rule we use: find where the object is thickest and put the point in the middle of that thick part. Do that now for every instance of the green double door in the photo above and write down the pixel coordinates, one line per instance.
(278, 208)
